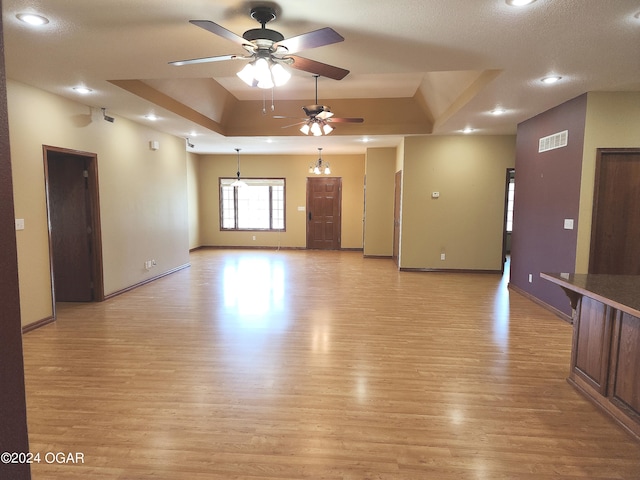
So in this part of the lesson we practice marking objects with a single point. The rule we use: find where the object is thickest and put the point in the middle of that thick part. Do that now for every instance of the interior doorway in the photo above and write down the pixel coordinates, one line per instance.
(324, 211)
(615, 225)
(509, 196)
(71, 182)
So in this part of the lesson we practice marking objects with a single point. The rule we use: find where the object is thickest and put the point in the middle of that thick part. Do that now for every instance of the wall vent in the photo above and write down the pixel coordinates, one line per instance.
(557, 140)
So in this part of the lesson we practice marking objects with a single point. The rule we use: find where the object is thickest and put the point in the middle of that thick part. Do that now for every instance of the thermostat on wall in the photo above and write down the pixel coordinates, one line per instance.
(435, 194)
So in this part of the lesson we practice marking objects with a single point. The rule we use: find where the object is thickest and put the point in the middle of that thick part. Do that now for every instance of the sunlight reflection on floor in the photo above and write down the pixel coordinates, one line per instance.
(253, 291)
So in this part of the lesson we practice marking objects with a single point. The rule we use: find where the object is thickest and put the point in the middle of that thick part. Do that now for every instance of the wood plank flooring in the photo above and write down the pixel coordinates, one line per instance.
(265, 365)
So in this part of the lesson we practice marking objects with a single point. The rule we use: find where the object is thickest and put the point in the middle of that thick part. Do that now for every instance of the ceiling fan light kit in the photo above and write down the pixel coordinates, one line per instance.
(317, 127)
(264, 73)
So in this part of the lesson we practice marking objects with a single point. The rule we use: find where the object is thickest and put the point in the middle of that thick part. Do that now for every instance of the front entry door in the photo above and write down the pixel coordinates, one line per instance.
(324, 207)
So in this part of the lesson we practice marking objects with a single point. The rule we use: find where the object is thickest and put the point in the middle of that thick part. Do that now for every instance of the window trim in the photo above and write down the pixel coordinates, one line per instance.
(235, 200)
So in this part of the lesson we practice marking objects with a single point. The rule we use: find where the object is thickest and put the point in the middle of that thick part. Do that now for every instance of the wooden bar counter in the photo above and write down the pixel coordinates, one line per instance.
(605, 355)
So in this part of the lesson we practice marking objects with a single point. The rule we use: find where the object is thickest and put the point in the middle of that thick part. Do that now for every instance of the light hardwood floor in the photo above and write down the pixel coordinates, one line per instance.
(314, 365)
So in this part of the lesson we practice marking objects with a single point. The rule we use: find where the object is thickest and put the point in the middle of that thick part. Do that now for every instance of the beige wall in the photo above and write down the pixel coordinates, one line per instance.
(295, 169)
(193, 200)
(466, 222)
(612, 122)
(143, 193)
(379, 196)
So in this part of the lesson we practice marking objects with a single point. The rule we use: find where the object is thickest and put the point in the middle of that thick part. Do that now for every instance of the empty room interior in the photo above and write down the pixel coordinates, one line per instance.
(320, 240)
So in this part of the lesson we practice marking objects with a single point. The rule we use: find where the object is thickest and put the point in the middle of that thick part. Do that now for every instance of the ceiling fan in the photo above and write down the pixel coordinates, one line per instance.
(318, 118)
(268, 51)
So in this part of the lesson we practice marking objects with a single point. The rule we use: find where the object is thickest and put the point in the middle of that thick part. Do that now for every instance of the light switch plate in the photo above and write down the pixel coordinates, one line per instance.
(19, 223)
(568, 223)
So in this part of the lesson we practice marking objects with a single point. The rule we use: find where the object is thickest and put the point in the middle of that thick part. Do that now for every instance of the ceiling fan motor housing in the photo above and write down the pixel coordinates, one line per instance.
(262, 34)
(313, 110)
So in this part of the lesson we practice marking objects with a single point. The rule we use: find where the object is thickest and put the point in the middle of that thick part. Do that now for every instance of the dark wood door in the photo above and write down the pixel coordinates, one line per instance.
(69, 215)
(396, 218)
(324, 207)
(615, 230)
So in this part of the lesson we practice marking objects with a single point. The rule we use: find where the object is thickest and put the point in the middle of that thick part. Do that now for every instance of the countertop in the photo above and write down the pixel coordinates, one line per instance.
(619, 291)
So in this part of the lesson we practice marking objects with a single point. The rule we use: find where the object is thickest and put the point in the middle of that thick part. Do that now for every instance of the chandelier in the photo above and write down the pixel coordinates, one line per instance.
(319, 166)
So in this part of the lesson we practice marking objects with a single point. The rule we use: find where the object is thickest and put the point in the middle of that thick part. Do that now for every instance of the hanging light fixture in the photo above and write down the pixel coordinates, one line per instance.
(238, 182)
(319, 166)
(264, 72)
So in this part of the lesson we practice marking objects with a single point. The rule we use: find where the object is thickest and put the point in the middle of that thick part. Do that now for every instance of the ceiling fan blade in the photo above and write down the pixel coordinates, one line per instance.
(317, 38)
(207, 60)
(294, 124)
(318, 68)
(345, 120)
(282, 116)
(218, 30)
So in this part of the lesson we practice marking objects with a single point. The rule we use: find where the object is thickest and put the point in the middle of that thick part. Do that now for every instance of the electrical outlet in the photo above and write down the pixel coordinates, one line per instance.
(442, 256)
(254, 237)
(530, 278)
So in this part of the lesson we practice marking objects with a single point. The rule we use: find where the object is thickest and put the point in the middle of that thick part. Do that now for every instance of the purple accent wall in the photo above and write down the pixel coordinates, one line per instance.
(13, 408)
(547, 192)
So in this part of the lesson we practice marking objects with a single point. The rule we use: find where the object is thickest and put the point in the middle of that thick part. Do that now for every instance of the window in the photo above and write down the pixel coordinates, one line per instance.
(510, 196)
(259, 205)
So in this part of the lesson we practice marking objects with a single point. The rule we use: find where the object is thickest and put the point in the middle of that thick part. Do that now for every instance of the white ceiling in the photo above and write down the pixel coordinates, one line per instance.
(462, 57)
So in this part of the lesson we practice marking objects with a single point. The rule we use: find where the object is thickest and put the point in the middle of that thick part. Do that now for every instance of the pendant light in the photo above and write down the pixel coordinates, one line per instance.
(238, 182)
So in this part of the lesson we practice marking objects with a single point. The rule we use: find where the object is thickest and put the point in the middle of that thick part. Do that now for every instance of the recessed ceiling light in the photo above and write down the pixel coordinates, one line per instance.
(467, 130)
(498, 111)
(32, 19)
(519, 3)
(550, 79)
(82, 90)
(151, 117)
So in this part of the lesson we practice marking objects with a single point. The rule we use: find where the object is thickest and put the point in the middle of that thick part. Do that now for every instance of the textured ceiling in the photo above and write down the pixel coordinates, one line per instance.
(416, 66)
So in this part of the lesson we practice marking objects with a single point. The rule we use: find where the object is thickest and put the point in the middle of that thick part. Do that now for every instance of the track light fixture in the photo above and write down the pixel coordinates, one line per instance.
(319, 166)
(107, 117)
(189, 144)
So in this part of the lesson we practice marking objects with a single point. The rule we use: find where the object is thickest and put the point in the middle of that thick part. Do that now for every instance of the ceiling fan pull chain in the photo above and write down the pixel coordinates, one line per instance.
(273, 107)
(264, 103)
